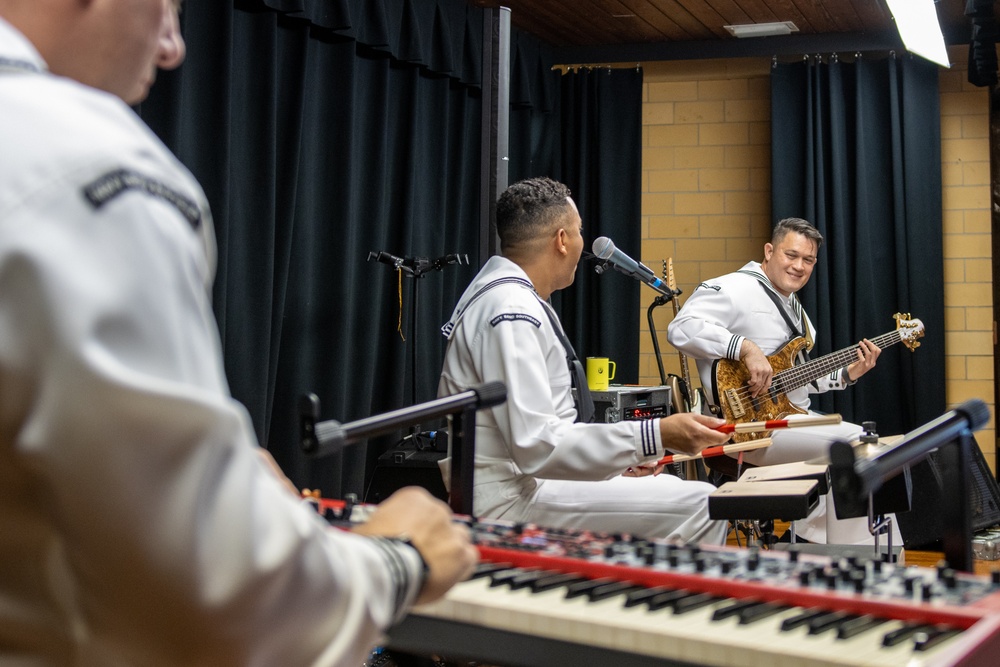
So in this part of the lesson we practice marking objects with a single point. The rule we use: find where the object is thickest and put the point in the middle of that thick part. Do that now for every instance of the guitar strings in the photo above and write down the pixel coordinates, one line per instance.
(797, 376)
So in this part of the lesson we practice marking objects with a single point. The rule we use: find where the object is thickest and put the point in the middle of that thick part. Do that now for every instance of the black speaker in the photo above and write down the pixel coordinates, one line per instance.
(922, 527)
(406, 466)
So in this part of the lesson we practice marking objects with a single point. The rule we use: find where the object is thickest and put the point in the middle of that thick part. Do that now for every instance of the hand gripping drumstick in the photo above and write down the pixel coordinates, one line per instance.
(751, 427)
(718, 450)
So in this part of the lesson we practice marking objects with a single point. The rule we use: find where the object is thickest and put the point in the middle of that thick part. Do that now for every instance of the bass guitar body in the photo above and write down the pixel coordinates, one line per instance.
(733, 395)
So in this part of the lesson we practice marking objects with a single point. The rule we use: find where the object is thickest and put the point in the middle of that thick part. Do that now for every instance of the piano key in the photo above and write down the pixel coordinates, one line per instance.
(692, 602)
(734, 608)
(761, 611)
(486, 568)
(667, 599)
(828, 621)
(610, 590)
(926, 640)
(501, 577)
(691, 637)
(528, 577)
(584, 587)
(554, 582)
(803, 617)
(902, 634)
(858, 625)
(643, 595)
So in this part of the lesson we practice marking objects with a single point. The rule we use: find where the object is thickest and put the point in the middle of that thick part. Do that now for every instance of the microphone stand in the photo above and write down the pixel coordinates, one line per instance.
(416, 267)
(602, 265)
(329, 437)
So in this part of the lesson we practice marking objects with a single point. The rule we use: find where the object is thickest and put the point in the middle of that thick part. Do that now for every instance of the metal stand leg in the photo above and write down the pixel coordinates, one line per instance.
(878, 524)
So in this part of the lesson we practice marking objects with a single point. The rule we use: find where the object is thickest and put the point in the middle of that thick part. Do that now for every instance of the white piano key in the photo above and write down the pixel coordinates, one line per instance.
(692, 637)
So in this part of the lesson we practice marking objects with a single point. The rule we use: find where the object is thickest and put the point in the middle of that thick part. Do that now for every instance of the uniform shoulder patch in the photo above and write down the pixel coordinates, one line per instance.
(514, 317)
(114, 183)
(717, 288)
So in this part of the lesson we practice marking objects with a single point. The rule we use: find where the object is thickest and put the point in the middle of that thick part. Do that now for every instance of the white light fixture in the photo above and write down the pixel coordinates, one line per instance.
(918, 26)
(762, 29)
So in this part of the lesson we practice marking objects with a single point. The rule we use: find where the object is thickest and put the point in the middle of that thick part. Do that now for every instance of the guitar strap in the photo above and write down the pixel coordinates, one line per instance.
(584, 401)
(796, 331)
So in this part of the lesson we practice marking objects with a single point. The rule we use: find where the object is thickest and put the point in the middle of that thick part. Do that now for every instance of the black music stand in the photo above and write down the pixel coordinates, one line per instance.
(329, 437)
(854, 481)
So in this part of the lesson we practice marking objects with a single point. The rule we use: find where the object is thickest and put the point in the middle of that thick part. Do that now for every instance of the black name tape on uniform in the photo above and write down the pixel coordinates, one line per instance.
(114, 183)
(514, 317)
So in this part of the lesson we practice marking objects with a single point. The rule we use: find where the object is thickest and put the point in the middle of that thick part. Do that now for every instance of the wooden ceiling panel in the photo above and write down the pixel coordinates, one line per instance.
(572, 24)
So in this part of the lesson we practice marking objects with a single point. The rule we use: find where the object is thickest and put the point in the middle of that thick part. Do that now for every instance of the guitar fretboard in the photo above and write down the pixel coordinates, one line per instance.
(799, 376)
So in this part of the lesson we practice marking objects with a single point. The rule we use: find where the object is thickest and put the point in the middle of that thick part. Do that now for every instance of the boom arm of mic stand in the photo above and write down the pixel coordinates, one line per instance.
(854, 481)
(328, 437)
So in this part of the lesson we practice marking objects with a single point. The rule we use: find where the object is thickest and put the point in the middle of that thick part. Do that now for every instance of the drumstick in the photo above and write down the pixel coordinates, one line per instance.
(809, 420)
(718, 450)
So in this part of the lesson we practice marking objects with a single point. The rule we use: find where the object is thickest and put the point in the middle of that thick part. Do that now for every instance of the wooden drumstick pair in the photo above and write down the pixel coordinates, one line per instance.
(751, 427)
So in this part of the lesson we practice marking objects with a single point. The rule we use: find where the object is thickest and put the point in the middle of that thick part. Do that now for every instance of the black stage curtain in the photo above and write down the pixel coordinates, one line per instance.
(323, 131)
(856, 149)
(602, 163)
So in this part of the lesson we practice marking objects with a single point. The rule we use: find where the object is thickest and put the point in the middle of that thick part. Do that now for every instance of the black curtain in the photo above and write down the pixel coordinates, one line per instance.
(856, 149)
(602, 164)
(323, 131)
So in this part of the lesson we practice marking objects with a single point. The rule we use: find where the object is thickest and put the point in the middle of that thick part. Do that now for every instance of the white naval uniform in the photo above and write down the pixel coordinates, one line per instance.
(712, 324)
(138, 525)
(534, 462)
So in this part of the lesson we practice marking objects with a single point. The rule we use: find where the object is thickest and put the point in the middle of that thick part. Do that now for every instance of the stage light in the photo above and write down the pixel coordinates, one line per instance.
(918, 26)
(762, 29)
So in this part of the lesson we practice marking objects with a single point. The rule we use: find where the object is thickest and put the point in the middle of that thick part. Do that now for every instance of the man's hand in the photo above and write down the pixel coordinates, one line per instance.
(867, 356)
(757, 366)
(689, 433)
(445, 545)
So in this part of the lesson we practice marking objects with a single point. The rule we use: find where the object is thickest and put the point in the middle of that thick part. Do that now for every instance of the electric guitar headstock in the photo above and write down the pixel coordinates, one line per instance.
(671, 281)
(909, 330)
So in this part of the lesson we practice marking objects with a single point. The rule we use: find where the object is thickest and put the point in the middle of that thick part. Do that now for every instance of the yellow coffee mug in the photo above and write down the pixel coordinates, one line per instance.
(600, 371)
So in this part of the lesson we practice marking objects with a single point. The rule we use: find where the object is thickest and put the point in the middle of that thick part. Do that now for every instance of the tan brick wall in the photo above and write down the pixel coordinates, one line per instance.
(706, 201)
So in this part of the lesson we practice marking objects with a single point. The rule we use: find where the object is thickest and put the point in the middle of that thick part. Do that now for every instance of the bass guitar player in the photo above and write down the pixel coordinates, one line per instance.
(744, 316)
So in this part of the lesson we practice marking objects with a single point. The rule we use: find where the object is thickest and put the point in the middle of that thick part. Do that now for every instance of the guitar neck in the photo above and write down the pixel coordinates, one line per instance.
(685, 373)
(801, 375)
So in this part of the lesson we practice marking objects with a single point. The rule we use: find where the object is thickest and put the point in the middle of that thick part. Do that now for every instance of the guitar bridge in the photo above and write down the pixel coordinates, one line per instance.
(735, 405)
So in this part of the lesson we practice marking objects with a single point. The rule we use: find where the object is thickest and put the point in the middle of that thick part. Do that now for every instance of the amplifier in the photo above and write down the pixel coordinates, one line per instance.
(630, 402)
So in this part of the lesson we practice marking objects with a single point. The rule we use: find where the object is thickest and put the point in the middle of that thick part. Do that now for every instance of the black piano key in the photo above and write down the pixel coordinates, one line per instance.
(584, 587)
(555, 581)
(928, 639)
(642, 595)
(828, 621)
(732, 609)
(900, 635)
(761, 611)
(692, 602)
(856, 626)
(801, 619)
(610, 590)
(505, 576)
(527, 578)
(667, 599)
(486, 568)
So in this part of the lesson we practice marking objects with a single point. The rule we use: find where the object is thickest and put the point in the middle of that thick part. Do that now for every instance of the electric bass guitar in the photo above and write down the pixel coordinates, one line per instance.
(685, 397)
(732, 392)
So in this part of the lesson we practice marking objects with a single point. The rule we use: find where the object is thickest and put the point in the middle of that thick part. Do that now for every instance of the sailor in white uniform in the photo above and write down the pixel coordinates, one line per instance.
(535, 460)
(139, 523)
(750, 314)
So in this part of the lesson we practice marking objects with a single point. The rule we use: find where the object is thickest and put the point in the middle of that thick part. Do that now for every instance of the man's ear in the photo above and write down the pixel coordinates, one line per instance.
(561, 237)
(768, 249)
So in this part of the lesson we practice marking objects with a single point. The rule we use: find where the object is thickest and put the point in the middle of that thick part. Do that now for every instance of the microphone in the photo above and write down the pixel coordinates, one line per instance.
(605, 249)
